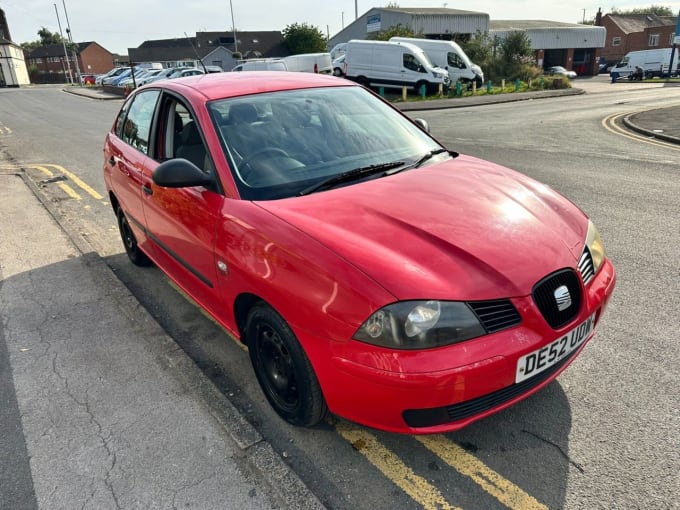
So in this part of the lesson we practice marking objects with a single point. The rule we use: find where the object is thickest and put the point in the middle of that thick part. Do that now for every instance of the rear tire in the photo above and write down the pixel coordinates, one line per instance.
(134, 253)
(283, 370)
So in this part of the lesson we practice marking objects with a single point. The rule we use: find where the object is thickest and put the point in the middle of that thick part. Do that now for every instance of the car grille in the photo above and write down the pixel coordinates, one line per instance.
(586, 266)
(440, 415)
(546, 299)
(496, 315)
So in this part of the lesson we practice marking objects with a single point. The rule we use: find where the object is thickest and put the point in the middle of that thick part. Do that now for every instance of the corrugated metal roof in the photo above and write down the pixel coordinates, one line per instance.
(440, 11)
(551, 35)
(525, 24)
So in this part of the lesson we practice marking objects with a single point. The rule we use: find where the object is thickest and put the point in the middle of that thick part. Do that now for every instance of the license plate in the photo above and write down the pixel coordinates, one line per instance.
(541, 359)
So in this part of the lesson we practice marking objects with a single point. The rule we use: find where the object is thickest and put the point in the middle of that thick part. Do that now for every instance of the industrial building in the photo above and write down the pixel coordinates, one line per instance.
(573, 46)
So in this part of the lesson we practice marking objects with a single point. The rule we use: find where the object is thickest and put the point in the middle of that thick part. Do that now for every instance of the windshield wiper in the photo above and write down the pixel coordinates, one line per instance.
(350, 175)
(420, 161)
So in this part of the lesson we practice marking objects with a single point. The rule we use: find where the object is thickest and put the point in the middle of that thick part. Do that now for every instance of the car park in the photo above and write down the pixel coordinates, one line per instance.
(371, 272)
(561, 71)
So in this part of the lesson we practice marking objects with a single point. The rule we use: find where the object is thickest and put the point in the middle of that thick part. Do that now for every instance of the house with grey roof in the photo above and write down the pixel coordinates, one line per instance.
(635, 32)
(224, 49)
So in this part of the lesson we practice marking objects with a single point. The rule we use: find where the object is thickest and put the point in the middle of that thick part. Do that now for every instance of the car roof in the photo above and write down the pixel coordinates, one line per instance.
(223, 85)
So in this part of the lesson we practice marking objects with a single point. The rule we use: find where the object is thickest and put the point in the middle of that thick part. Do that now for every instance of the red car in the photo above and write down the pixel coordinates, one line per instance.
(371, 272)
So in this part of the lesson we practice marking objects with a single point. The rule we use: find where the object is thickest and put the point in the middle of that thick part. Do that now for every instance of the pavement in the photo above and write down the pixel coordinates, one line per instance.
(99, 407)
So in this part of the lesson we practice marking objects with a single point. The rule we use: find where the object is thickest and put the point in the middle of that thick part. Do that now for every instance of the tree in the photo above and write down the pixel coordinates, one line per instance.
(516, 46)
(304, 38)
(507, 58)
(398, 30)
(46, 38)
(659, 10)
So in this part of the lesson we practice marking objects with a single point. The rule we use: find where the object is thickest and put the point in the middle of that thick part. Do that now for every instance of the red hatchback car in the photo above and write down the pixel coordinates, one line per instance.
(371, 272)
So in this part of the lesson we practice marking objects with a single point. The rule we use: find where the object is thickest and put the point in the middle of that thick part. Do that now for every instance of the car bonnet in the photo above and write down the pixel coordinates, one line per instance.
(462, 229)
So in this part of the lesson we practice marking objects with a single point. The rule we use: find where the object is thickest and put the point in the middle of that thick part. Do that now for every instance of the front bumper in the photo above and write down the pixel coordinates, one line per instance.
(445, 389)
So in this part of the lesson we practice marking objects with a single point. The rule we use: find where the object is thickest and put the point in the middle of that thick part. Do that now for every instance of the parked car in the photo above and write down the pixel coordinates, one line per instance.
(149, 76)
(139, 75)
(162, 74)
(114, 74)
(182, 72)
(371, 272)
(560, 71)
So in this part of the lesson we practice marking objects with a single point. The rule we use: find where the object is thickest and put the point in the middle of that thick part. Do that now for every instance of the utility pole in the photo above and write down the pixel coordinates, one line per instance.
(233, 26)
(70, 38)
(676, 41)
(63, 41)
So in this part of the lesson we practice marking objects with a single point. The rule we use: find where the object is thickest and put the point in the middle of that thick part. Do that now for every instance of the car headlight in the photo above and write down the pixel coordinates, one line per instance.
(420, 325)
(595, 246)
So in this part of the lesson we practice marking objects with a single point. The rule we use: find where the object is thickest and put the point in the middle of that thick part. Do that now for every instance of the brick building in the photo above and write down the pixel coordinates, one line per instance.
(635, 32)
(47, 64)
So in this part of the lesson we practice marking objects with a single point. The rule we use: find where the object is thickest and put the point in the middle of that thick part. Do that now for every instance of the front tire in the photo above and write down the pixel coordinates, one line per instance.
(282, 369)
(419, 86)
(134, 253)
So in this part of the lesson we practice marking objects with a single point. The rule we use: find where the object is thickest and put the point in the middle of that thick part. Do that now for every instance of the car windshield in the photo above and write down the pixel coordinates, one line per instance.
(281, 144)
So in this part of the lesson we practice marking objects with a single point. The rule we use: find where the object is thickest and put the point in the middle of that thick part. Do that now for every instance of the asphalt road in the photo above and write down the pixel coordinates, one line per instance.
(606, 434)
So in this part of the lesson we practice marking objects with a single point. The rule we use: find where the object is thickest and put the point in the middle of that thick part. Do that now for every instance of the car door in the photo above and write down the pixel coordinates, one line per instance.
(126, 150)
(181, 221)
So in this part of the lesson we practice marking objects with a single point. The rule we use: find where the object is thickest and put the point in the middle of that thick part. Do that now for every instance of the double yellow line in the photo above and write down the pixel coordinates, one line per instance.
(610, 124)
(422, 491)
(65, 187)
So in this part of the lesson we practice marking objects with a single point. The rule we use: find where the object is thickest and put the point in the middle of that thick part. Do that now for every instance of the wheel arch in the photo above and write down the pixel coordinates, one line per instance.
(242, 305)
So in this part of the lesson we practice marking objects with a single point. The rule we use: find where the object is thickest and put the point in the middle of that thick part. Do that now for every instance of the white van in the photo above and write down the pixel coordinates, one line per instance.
(310, 63)
(653, 62)
(262, 65)
(392, 64)
(448, 55)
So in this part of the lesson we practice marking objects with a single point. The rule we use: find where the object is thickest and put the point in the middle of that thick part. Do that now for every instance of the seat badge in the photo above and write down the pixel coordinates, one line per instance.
(562, 297)
(222, 266)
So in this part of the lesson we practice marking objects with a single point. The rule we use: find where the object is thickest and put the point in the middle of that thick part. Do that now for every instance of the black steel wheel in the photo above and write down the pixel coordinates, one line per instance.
(283, 370)
(136, 256)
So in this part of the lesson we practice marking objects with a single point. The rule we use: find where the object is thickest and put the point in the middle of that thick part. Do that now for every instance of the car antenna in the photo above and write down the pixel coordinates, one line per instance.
(196, 52)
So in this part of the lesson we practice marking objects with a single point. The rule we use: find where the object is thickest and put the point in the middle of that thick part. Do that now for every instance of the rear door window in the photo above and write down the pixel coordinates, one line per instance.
(136, 128)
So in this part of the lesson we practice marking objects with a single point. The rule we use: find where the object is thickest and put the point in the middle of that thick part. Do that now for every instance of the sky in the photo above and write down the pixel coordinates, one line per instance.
(122, 24)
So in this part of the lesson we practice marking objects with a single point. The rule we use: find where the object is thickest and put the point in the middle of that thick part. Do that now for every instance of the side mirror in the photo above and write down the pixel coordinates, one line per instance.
(179, 173)
(422, 124)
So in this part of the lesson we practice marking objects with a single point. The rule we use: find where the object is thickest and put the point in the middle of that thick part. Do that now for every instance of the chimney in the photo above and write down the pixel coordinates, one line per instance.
(598, 17)
(4, 27)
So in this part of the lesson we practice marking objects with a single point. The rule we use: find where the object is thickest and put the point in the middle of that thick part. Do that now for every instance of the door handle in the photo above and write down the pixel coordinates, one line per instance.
(147, 189)
(112, 161)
